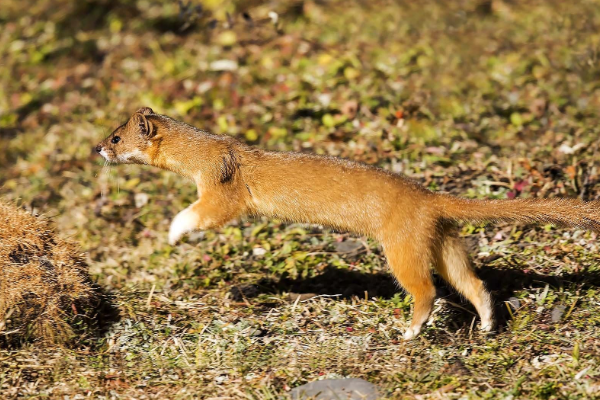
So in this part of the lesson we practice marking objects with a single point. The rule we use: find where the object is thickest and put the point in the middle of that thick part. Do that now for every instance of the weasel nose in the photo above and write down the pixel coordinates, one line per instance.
(98, 149)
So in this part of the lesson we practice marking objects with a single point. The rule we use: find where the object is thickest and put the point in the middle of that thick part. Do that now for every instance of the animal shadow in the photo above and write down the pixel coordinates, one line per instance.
(335, 282)
(342, 283)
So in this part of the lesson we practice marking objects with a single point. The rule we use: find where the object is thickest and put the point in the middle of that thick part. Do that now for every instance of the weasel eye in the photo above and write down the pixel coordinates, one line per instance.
(115, 140)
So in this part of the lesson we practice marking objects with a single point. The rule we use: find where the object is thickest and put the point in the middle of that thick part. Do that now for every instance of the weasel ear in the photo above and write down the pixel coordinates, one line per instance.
(143, 124)
(145, 111)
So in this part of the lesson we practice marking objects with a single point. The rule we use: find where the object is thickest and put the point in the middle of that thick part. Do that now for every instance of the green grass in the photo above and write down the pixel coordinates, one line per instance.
(478, 102)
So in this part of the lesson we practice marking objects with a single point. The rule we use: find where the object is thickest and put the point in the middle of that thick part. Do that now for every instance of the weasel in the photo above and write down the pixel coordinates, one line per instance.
(416, 227)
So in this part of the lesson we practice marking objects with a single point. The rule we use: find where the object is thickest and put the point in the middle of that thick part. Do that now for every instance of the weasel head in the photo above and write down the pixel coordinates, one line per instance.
(131, 143)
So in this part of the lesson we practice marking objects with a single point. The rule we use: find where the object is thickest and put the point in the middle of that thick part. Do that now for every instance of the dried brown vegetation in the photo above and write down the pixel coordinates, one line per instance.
(45, 289)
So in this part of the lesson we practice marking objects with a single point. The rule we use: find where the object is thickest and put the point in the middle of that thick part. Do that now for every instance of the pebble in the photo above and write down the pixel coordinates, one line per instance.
(557, 313)
(337, 389)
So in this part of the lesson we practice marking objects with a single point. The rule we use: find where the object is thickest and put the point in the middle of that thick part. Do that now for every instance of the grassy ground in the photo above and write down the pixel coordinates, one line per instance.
(480, 99)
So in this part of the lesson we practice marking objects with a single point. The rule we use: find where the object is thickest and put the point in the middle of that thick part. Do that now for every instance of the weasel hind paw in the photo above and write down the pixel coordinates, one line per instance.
(486, 326)
(410, 334)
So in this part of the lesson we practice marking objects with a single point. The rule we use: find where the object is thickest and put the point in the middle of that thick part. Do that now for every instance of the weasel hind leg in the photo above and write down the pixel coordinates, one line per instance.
(410, 265)
(452, 263)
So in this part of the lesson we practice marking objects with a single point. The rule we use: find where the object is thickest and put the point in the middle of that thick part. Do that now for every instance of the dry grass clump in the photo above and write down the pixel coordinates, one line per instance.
(45, 290)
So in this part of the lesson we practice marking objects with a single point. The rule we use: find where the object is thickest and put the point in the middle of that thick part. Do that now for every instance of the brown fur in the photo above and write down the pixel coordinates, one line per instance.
(414, 225)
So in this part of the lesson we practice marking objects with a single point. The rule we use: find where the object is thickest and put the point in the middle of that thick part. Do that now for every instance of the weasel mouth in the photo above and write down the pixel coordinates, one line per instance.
(103, 153)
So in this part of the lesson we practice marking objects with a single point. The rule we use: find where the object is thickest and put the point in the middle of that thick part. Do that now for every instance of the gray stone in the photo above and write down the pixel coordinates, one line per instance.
(557, 313)
(348, 246)
(337, 389)
(514, 303)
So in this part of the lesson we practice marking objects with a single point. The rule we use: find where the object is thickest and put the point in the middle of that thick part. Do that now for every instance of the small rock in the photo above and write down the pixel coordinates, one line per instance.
(566, 149)
(141, 199)
(301, 296)
(337, 389)
(259, 251)
(196, 237)
(514, 303)
(324, 99)
(557, 313)
(347, 246)
(223, 65)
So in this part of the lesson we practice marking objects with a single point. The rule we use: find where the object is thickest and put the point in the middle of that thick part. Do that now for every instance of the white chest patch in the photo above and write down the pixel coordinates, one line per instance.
(132, 156)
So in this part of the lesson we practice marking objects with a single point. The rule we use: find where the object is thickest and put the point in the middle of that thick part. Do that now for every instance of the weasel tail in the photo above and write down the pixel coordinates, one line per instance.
(557, 211)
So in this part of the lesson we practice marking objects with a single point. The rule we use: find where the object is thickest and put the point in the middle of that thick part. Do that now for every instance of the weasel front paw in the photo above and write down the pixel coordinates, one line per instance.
(174, 237)
(184, 222)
